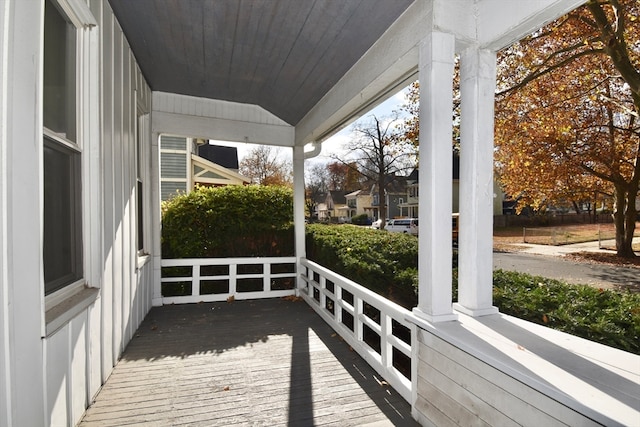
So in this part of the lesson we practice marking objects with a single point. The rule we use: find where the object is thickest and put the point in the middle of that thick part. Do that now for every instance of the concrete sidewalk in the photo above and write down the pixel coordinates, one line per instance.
(530, 248)
(550, 261)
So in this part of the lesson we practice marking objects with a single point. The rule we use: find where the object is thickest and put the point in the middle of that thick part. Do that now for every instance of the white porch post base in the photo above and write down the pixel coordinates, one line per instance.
(421, 315)
(475, 312)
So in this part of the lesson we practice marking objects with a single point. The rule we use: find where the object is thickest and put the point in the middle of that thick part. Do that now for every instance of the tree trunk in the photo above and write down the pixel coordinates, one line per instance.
(576, 207)
(624, 218)
(382, 202)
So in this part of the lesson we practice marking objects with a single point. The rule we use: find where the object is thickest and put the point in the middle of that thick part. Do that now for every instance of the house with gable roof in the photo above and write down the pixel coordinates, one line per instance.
(188, 162)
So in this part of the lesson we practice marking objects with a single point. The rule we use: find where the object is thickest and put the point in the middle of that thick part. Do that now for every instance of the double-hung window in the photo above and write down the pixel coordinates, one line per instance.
(62, 254)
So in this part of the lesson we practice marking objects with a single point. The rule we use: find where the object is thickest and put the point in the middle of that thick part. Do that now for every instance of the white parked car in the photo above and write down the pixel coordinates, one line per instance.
(403, 225)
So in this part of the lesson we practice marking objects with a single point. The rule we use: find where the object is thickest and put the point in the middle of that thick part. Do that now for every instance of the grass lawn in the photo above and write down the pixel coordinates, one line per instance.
(510, 239)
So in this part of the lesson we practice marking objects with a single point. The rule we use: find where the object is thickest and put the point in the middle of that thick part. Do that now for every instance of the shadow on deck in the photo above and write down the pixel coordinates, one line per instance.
(258, 362)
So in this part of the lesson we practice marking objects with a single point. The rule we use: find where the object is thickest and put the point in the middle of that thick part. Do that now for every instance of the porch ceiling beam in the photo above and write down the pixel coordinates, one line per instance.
(390, 64)
(215, 119)
(495, 24)
(495, 32)
(222, 129)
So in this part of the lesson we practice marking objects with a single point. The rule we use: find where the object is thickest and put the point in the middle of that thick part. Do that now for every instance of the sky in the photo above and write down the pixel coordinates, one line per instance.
(334, 144)
(337, 141)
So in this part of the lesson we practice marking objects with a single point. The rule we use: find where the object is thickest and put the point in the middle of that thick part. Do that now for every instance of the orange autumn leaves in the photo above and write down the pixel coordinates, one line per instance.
(566, 123)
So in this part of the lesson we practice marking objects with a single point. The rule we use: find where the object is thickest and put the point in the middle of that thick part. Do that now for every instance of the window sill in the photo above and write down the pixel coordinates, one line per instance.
(62, 313)
(143, 259)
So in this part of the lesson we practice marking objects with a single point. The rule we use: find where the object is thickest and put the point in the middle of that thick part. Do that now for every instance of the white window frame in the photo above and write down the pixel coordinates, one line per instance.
(63, 304)
(143, 140)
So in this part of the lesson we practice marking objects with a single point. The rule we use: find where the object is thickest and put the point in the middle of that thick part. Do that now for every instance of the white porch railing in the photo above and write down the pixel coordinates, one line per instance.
(371, 324)
(193, 280)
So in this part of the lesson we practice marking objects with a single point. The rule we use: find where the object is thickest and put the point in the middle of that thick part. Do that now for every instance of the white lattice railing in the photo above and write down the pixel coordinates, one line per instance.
(194, 280)
(372, 325)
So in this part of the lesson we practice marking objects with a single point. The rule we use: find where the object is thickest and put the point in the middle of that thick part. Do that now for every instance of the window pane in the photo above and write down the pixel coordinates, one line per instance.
(59, 74)
(140, 213)
(62, 217)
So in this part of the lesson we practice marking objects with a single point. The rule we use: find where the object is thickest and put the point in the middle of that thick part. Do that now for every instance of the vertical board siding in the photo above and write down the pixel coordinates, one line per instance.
(78, 351)
(127, 192)
(81, 355)
(455, 388)
(5, 389)
(93, 368)
(117, 193)
(108, 231)
(56, 348)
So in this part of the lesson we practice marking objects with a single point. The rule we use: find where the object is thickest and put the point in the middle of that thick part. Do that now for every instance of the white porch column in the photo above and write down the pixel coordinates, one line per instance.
(298, 200)
(475, 257)
(435, 198)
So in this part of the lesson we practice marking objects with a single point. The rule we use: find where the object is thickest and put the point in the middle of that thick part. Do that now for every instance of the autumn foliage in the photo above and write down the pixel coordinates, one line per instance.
(567, 125)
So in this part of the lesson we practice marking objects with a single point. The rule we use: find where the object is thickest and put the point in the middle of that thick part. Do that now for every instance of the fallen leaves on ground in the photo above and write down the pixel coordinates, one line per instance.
(604, 258)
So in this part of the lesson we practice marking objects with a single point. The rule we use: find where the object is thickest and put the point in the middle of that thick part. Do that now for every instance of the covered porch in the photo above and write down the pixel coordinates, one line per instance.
(331, 352)
(440, 357)
(288, 74)
(252, 362)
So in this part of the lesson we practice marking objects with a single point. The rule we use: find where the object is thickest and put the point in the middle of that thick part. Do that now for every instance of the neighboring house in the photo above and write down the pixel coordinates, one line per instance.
(333, 206)
(322, 211)
(358, 201)
(395, 195)
(187, 162)
(352, 203)
(409, 208)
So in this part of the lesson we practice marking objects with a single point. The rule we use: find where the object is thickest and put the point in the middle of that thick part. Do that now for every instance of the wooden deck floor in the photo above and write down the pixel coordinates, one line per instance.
(263, 362)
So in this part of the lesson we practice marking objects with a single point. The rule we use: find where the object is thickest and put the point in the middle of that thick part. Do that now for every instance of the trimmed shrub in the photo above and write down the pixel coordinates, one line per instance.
(232, 221)
(384, 262)
(387, 264)
(604, 316)
(361, 219)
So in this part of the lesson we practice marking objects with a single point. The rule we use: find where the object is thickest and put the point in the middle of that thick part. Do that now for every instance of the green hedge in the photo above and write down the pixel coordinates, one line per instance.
(605, 316)
(387, 264)
(361, 219)
(256, 221)
(383, 262)
(230, 221)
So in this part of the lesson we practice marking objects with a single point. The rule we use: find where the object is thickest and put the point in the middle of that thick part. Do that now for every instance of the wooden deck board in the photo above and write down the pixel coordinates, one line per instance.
(265, 362)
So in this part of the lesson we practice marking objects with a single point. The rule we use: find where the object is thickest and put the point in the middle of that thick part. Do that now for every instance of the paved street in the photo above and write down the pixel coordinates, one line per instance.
(557, 267)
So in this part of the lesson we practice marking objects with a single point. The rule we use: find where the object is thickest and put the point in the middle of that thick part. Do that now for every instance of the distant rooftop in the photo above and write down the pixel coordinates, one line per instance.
(223, 156)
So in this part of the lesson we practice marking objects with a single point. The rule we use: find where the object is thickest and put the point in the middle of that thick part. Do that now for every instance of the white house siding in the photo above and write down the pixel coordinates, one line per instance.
(49, 374)
(126, 282)
(5, 367)
(455, 388)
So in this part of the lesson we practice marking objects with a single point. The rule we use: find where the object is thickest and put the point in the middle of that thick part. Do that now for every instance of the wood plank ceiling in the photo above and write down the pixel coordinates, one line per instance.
(282, 55)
